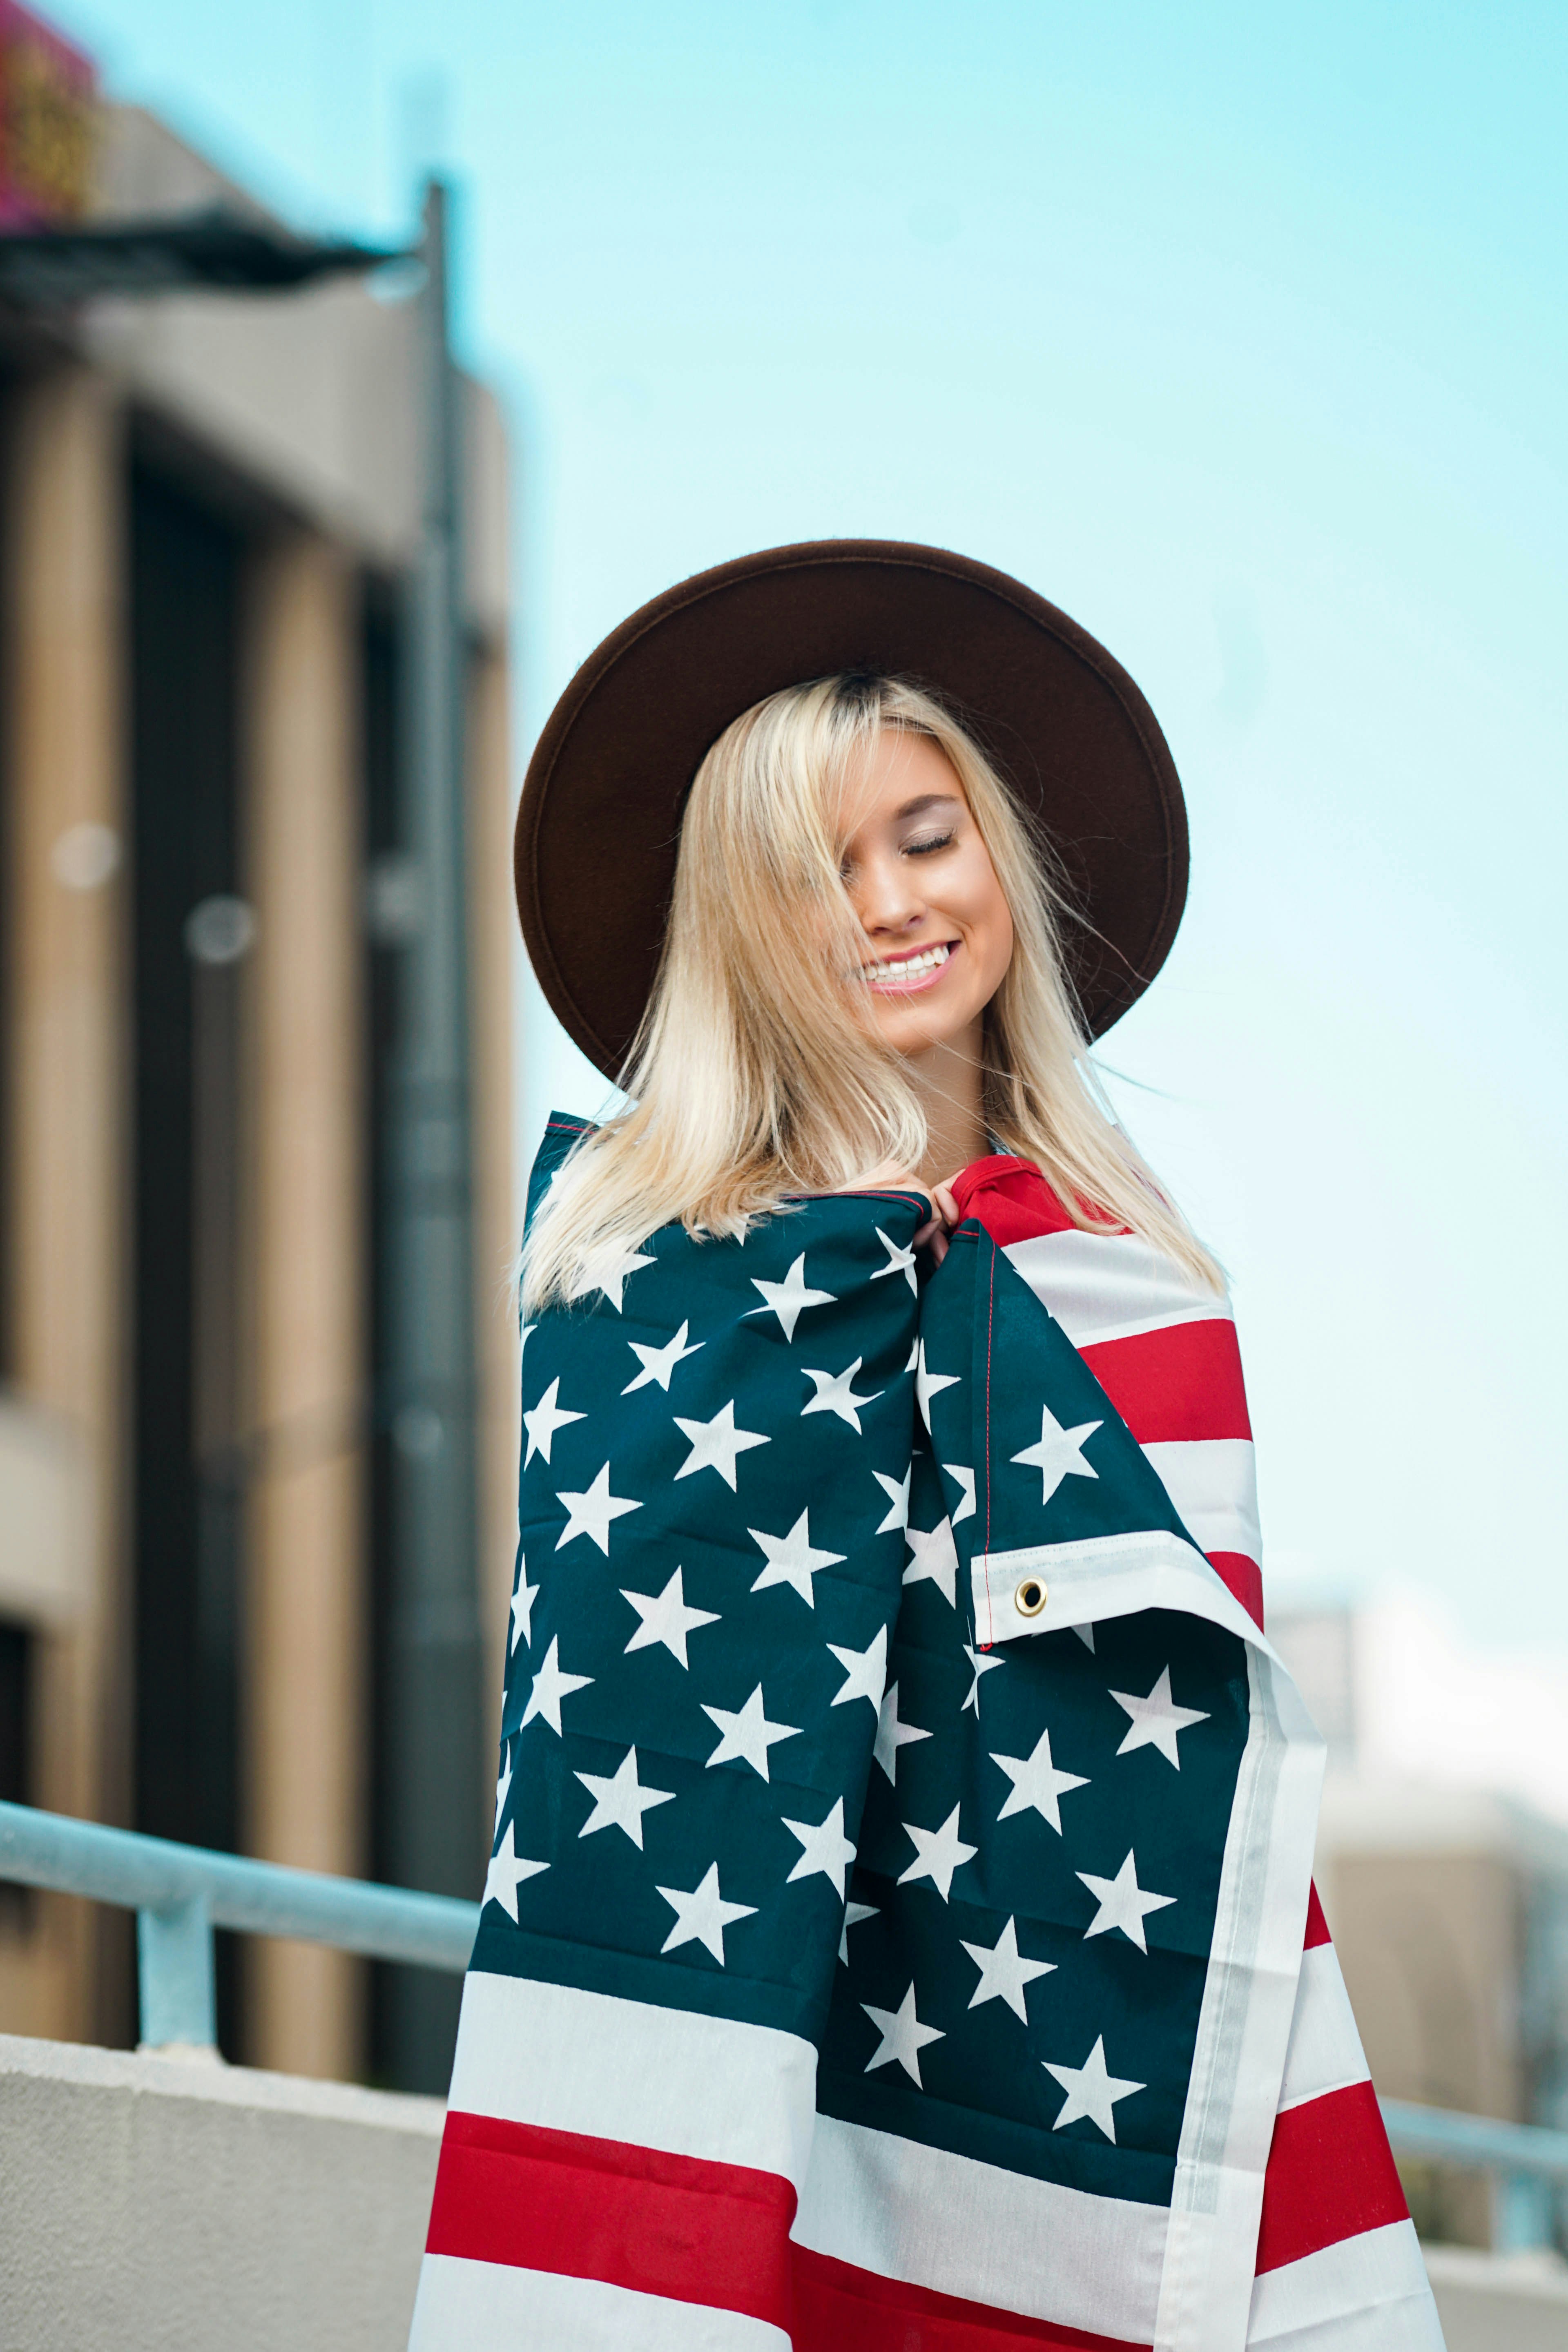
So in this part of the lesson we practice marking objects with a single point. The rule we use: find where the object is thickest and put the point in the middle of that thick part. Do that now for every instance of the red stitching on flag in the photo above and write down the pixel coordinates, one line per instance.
(1331, 2176)
(989, 1327)
(634, 2217)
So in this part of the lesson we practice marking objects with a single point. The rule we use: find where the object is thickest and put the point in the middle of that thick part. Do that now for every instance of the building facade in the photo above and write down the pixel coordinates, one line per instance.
(209, 519)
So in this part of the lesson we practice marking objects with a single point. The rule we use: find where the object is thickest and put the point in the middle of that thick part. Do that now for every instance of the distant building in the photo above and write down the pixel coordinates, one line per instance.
(1447, 1897)
(208, 509)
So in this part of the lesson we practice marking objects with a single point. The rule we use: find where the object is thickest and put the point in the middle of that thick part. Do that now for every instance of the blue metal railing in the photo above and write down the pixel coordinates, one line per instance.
(1528, 2164)
(181, 1892)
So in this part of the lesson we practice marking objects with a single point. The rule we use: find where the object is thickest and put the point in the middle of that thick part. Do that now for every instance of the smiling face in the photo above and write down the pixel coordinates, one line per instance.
(936, 933)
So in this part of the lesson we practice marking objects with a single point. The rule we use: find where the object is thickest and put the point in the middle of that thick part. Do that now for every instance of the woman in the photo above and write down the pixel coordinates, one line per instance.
(894, 1930)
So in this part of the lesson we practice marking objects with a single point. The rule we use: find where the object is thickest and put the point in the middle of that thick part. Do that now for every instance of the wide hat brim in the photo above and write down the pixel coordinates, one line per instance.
(598, 826)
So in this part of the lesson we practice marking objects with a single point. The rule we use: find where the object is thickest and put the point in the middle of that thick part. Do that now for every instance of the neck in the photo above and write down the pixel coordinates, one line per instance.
(947, 1078)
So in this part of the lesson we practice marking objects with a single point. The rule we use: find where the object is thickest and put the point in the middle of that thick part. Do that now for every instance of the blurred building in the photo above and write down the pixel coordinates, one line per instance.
(209, 510)
(1445, 1890)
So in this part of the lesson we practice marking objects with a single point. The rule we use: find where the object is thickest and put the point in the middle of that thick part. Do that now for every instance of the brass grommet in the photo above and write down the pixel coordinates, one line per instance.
(1030, 1598)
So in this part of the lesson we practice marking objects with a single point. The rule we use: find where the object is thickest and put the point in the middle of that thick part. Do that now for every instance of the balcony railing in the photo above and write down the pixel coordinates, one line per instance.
(181, 1892)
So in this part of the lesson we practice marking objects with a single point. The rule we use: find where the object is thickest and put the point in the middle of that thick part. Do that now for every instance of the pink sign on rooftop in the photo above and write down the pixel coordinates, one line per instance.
(48, 93)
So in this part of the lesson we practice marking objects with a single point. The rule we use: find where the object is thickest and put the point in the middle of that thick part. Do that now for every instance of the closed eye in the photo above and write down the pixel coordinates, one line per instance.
(925, 847)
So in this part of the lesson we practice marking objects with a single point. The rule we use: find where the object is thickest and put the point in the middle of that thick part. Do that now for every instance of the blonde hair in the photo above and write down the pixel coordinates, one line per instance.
(753, 1076)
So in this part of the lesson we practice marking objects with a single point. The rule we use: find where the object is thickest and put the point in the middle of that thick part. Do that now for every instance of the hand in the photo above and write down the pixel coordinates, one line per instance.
(890, 1177)
(887, 1176)
(943, 1218)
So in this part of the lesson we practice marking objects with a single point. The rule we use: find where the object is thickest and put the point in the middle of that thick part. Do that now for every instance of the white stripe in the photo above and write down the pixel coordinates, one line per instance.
(1325, 2052)
(955, 2226)
(1212, 1482)
(1109, 1285)
(1103, 1577)
(465, 2307)
(1244, 2024)
(622, 2070)
(1366, 2294)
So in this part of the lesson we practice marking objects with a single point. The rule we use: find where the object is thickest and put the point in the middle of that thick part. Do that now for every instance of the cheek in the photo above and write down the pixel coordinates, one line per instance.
(988, 921)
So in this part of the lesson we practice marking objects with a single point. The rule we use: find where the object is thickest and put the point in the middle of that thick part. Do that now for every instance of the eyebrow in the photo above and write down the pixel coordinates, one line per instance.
(926, 801)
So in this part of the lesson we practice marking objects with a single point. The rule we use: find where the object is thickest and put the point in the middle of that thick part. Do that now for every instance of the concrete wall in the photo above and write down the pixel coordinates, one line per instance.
(153, 2204)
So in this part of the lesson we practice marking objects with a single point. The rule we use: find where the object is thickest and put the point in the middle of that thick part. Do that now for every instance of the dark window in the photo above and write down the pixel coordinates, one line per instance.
(189, 953)
(16, 1714)
(17, 1651)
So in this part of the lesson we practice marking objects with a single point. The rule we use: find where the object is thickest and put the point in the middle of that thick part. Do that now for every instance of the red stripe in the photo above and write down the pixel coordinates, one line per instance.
(1242, 1578)
(1331, 2176)
(638, 2218)
(1182, 1382)
(1011, 1199)
(838, 2306)
(1317, 1926)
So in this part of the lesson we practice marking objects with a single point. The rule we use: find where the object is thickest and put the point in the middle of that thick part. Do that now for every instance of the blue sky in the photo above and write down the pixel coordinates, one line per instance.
(1240, 334)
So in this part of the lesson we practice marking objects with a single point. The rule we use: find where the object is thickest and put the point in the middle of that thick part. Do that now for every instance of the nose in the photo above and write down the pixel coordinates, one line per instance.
(885, 898)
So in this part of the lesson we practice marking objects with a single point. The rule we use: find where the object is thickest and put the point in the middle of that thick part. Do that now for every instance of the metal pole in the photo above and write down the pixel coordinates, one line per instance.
(435, 1758)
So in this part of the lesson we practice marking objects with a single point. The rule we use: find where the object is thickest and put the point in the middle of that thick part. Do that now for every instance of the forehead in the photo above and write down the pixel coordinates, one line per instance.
(899, 775)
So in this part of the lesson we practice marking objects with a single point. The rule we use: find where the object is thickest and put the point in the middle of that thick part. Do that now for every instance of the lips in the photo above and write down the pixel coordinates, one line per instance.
(902, 975)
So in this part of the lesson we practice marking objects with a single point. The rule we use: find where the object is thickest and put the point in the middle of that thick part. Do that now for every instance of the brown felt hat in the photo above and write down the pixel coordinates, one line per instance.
(599, 822)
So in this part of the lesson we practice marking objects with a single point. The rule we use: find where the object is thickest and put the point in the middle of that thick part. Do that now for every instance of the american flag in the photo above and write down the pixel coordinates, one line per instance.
(894, 1929)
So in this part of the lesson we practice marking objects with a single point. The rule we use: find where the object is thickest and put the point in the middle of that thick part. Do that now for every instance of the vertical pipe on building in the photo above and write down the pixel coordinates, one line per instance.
(305, 1669)
(63, 927)
(433, 1800)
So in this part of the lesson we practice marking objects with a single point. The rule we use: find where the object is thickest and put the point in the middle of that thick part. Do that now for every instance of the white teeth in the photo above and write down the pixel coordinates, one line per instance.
(907, 967)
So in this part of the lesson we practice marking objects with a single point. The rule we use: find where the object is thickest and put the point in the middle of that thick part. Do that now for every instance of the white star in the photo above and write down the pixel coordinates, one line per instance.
(544, 1422)
(1157, 1720)
(620, 1802)
(904, 2036)
(1003, 1971)
(590, 1513)
(550, 1687)
(892, 1735)
(506, 1873)
(665, 1618)
(715, 1444)
(1122, 1903)
(900, 1260)
(1059, 1453)
(853, 1915)
(788, 1298)
(504, 1783)
(1091, 2091)
(983, 1662)
(524, 1596)
(898, 1499)
(865, 1670)
(747, 1734)
(1036, 1783)
(964, 1481)
(914, 1363)
(701, 1917)
(657, 1363)
(933, 1556)
(835, 1393)
(1086, 1635)
(929, 1383)
(938, 1853)
(606, 1269)
(824, 1849)
(793, 1559)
